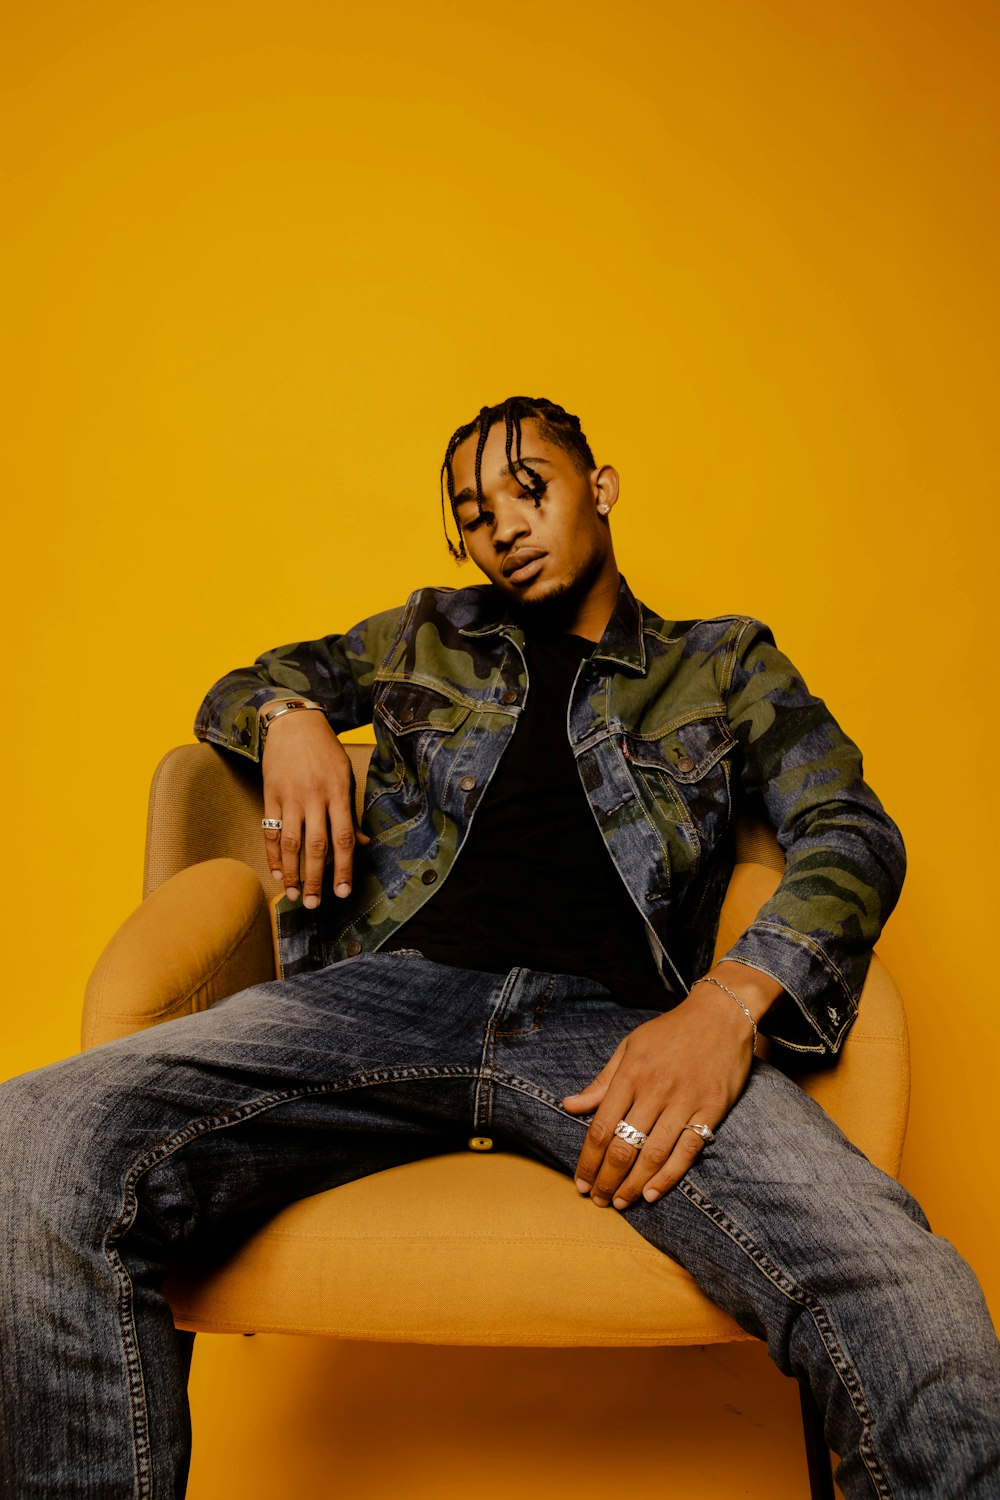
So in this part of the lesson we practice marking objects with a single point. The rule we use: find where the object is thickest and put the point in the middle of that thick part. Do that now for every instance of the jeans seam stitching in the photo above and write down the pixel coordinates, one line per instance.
(525, 1086)
(482, 1102)
(484, 1088)
(821, 1319)
(141, 1446)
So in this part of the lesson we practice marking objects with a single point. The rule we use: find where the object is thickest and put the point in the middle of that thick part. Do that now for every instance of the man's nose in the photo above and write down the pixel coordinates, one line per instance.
(511, 522)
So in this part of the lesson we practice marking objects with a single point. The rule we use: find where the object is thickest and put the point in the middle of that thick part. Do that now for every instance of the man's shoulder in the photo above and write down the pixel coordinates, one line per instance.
(434, 630)
(454, 609)
(448, 613)
(465, 608)
(702, 633)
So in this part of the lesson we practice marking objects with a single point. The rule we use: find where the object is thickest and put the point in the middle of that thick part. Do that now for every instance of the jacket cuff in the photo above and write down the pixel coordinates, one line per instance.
(818, 1009)
(244, 736)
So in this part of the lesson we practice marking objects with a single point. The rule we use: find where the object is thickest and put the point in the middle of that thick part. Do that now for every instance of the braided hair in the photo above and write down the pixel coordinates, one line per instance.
(556, 426)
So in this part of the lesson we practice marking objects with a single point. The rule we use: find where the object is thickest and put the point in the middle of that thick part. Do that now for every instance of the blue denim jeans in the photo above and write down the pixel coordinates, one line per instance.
(185, 1137)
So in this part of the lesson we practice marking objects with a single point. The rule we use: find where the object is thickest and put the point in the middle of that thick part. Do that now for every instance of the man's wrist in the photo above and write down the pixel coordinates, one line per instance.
(748, 994)
(278, 708)
(758, 991)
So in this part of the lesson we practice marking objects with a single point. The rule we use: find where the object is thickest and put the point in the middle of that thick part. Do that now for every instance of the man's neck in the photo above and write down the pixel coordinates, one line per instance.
(585, 615)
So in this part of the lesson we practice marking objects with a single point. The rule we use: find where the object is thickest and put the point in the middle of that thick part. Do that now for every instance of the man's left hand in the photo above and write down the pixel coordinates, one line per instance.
(686, 1067)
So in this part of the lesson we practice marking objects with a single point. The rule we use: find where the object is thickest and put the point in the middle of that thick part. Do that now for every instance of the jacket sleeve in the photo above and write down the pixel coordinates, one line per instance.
(844, 856)
(337, 672)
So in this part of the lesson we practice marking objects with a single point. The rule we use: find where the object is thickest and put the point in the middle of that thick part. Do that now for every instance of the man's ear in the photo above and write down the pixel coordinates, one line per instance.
(604, 484)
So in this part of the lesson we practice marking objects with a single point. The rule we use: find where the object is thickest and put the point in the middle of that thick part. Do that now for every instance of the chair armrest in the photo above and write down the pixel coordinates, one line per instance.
(203, 934)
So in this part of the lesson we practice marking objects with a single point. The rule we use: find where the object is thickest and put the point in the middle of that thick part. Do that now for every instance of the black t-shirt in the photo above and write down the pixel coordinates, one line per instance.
(534, 885)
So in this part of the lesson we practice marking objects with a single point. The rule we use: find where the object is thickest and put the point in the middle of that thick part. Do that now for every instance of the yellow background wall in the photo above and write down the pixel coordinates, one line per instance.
(266, 257)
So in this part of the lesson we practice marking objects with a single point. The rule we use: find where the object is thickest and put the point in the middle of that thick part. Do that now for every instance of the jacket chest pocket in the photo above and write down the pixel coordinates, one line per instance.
(686, 770)
(413, 723)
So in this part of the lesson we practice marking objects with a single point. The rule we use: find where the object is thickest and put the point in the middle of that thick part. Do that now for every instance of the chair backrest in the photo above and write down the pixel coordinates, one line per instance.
(206, 802)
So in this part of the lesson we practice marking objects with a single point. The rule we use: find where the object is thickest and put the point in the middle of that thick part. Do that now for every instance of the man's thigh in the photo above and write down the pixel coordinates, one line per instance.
(274, 1093)
(781, 1204)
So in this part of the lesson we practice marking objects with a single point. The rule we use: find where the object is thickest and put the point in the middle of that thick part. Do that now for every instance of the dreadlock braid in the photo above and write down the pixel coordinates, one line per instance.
(556, 425)
(484, 429)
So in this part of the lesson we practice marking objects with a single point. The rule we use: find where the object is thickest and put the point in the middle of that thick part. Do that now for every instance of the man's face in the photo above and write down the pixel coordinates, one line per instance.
(534, 554)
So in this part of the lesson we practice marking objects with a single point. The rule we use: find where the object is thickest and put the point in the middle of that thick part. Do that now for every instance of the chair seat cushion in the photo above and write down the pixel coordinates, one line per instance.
(467, 1248)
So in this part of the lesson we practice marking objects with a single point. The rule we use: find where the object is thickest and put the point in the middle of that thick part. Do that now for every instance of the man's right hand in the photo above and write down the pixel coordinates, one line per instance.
(309, 785)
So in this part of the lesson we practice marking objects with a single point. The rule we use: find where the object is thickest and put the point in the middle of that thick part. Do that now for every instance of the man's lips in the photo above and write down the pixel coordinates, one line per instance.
(521, 565)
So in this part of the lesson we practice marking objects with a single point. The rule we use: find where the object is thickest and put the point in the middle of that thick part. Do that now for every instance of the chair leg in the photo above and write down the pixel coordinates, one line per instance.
(817, 1453)
(185, 1349)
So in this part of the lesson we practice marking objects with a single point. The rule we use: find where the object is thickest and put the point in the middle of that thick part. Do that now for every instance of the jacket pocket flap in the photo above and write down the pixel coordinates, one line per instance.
(409, 706)
(685, 752)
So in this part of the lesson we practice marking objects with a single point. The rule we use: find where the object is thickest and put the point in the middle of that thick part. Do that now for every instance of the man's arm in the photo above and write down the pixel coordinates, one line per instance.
(844, 856)
(337, 672)
(308, 784)
(803, 960)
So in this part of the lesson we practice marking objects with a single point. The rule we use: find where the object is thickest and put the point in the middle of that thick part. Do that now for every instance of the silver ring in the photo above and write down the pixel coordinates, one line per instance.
(707, 1135)
(274, 823)
(630, 1135)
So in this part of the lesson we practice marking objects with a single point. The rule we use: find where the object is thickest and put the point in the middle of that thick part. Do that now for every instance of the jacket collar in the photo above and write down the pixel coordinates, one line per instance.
(622, 642)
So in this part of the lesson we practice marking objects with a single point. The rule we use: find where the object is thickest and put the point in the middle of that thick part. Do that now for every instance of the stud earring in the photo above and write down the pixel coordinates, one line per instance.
(603, 508)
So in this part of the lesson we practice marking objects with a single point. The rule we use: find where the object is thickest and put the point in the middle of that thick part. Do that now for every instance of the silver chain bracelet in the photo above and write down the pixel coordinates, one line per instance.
(707, 979)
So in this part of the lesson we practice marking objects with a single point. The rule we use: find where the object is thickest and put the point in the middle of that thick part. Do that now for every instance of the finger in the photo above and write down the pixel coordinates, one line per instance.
(341, 813)
(651, 1161)
(291, 845)
(620, 1157)
(272, 839)
(315, 845)
(687, 1149)
(590, 1097)
(360, 837)
(601, 1139)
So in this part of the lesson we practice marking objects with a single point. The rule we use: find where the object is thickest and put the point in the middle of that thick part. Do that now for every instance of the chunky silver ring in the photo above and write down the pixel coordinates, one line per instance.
(630, 1135)
(707, 1135)
(274, 823)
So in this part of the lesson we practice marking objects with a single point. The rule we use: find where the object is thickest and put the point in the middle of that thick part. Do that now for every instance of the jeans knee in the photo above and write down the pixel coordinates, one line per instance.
(47, 1123)
(23, 1107)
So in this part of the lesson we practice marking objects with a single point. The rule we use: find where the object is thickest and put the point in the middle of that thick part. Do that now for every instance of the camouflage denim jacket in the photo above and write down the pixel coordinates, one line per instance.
(675, 725)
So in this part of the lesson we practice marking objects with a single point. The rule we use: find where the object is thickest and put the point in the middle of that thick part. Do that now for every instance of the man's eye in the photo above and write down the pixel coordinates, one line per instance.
(476, 521)
(487, 516)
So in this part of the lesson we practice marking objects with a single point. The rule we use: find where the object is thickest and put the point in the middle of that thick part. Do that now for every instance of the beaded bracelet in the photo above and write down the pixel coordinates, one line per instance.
(707, 979)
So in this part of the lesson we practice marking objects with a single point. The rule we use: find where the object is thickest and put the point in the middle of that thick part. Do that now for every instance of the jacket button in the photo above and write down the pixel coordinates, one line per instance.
(428, 878)
(467, 783)
(407, 716)
(510, 696)
(685, 763)
(481, 1143)
(353, 948)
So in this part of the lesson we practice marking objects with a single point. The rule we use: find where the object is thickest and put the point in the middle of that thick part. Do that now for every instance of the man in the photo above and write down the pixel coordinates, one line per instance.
(518, 937)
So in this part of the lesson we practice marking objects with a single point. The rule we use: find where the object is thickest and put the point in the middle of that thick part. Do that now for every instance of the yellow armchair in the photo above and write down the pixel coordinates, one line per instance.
(403, 1257)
